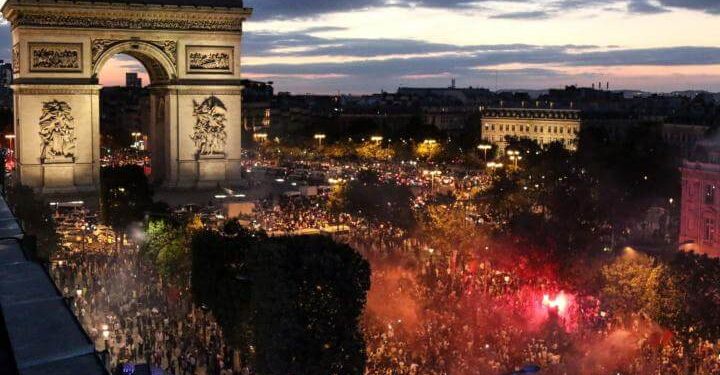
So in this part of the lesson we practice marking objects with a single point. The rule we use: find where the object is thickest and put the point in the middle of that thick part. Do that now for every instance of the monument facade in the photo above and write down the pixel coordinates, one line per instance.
(191, 50)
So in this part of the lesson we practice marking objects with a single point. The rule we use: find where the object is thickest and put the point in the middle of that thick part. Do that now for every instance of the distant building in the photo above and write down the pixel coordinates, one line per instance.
(6, 74)
(132, 80)
(683, 137)
(700, 201)
(543, 126)
(123, 111)
(257, 100)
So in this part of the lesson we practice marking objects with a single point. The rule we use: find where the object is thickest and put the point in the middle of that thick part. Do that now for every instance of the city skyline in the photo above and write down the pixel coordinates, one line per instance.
(359, 47)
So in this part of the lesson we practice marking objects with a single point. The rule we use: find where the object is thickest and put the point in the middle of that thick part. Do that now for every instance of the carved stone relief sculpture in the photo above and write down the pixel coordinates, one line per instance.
(209, 131)
(57, 130)
(55, 57)
(201, 59)
(16, 59)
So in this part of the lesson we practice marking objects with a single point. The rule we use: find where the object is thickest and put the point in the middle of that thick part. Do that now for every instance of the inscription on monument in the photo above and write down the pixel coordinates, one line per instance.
(55, 57)
(57, 130)
(209, 131)
(202, 59)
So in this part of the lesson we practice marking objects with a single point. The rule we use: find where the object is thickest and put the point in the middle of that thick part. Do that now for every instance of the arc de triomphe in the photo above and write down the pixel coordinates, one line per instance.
(191, 49)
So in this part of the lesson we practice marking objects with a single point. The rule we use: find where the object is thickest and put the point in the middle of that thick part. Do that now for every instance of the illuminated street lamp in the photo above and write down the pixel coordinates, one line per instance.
(11, 140)
(262, 137)
(106, 335)
(432, 178)
(494, 166)
(485, 149)
(514, 156)
(320, 138)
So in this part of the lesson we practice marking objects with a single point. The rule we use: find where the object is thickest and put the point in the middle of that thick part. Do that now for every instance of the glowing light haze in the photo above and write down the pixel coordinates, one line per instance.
(362, 46)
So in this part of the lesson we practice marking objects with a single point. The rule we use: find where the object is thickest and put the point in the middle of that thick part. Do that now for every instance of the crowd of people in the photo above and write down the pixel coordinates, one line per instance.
(434, 308)
(126, 309)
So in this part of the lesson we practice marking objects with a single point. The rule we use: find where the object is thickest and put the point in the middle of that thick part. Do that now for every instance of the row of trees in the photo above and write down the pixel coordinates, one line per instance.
(680, 291)
(575, 205)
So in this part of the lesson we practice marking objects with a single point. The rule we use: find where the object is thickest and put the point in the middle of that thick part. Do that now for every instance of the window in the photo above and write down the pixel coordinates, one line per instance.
(709, 230)
(709, 194)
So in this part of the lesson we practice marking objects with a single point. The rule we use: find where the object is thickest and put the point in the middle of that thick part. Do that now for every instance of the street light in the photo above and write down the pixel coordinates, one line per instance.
(319, 138)
(106, 335)
(11, 140)
(432, 178)
(514, 156)
(485, 149)
(262, 137)
(494, 166)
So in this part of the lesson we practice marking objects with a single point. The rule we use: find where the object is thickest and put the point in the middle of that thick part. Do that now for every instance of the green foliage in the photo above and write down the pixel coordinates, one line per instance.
(575, 204)
(168, 248)
(316, 291)
(374, 151)
(296, 300)
(690, 296)
(631, 283)
(125, 195)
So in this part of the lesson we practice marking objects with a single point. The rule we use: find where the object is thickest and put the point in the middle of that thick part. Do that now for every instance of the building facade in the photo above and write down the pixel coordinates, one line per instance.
(700, 204)
(543, 126)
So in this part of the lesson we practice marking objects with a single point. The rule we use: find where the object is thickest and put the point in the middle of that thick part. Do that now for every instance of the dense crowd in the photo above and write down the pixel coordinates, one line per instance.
(433, 308)
(127, 309)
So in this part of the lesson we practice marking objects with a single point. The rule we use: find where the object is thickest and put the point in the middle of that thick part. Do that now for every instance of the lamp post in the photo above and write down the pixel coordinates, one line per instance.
(320, 138)
(11, 140)
(494, 166)
(106, 335)
(484, 149)
(514, 156)
(432, 178)
(262, 137)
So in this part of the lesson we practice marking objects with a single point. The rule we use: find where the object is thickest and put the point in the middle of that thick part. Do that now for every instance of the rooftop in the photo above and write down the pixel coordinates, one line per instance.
(235, 4)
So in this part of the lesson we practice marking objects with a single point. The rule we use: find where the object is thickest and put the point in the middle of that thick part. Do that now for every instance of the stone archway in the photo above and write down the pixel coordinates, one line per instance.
(192, 53)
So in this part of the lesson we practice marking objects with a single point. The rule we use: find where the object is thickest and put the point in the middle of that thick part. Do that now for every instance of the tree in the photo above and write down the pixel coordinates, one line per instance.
(377, 201)
(168, 248)
(125, 195)
(689, 296)
(374, 151)
(631, 283)
(308, 294)
(296, 300)
(428, 150)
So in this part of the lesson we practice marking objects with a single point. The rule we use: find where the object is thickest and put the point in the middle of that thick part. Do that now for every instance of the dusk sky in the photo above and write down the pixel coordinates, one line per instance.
(363, 46)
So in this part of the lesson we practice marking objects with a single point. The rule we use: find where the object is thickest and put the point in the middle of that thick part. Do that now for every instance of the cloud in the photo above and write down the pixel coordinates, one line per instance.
(645, 7)
(709, 6)
(366, 65)
(531, 15)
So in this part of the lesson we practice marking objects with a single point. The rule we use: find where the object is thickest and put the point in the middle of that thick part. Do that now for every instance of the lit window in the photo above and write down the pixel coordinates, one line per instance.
(709, 230)
(709, 194)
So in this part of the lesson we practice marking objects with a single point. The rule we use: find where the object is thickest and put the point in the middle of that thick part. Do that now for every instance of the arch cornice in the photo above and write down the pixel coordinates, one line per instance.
(160, 63)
